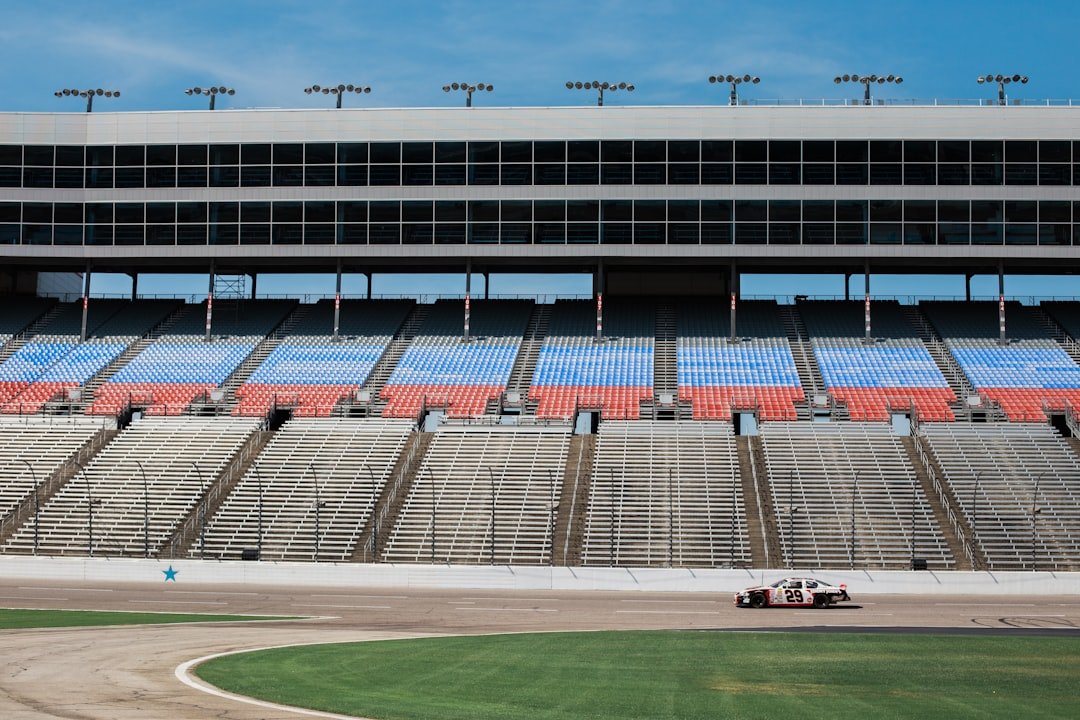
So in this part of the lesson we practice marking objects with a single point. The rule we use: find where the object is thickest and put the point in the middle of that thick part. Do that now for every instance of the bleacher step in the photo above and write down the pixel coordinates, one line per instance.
(569, 535)
(763, 493)
(754, 512)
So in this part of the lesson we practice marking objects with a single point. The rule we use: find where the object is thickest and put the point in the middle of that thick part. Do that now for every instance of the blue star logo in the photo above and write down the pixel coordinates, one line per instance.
(170, 574)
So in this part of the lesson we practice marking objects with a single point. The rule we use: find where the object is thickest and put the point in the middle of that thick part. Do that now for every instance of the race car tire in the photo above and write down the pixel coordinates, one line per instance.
(757, 601)
(821, 601)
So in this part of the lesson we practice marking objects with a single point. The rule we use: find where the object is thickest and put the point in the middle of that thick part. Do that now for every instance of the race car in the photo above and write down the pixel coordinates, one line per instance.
(792, 592)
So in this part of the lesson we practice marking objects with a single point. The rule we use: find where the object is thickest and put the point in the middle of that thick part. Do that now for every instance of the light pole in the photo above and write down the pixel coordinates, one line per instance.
(854, 493)
(671, 522)
(89, 509)
(213, 92)
(37, 502)
(318, 507)
(867, 81)
(374, 516)
(734, 81)
(469, 89)
(259, 487)
(1002, 81)
(551, 518)
(146, 511)
(975, 508)
(202, 511)
(1035, 510)
(611, 534)
(338, 91)
(491, 480)
(600, 88)
(432, 478)
(88, 94)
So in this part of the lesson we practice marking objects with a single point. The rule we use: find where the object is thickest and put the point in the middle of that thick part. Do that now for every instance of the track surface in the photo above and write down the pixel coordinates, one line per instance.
(127, 672)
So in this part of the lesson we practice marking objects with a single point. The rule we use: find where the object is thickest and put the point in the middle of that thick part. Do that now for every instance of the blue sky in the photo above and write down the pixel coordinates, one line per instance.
(408, 49)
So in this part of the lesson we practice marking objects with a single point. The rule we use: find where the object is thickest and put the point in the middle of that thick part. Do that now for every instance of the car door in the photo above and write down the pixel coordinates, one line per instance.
(790, 593)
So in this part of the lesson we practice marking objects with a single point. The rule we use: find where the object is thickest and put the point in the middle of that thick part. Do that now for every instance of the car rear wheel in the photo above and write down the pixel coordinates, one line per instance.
(757, 601)
(821, 601)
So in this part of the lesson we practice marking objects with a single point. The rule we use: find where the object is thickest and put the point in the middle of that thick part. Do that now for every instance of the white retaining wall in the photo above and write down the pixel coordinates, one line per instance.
(206, 572)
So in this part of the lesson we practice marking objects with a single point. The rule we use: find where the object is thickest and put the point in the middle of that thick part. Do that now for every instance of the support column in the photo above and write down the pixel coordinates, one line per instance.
(866, 293)
(85, 303)
(598, 284)
(368, 276)
(847, 286)
(209, 304)
(134, 286)
(967, 287)
(733, 286)
(254, 284)
(468, 292)
(337, 302)
(1001, 304)
(487, 285)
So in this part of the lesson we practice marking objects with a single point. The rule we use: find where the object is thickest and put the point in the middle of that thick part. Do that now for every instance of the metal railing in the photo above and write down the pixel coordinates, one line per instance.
(958, 527)
(391, 491)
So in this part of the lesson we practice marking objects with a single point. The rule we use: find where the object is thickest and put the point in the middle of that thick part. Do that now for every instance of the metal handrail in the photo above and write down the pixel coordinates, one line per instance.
(957, 527)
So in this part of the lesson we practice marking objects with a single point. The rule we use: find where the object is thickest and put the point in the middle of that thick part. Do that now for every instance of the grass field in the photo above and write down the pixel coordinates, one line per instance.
(669, 674)
(19, 619)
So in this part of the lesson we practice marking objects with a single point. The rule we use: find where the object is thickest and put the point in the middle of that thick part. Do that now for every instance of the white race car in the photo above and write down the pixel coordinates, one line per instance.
(792, 592)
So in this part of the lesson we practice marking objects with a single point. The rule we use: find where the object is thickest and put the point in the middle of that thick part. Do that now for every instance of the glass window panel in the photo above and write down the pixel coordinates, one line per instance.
(850, 174)
(987, 174)
(353, 153)
(1054, 211)
(954, 174)
(319, 234)
(446, 234)
(39, 212)
(616, 174)
(952, 211)
(549, 151)
(320, 211)
(920, 234)
(582, 233)
(416, 175)
(161, 155)
(716, 234)
(751, 174)
(549, 210)
(954, 151)
(751, 233)
(40, 177)
(784, 174)
(818, 211)
(254, 234)
(384, 175)
(784, 234)
(319, 153)
(255, 176)
(483, 174)
(717, 151)
(159, 213)
(683, 234)
(986, 211)
(684, 151)
(886, 151)
(288, 234)
(69, 213)
(851, 234)
(288, 175)
(384, 234)
(319, 175)
(616, 151)
(1021, 211)
(160, 234)
(384, 211)
(582, 174)
(819, 151)
(352, 175)
(515, 233)
(516, 174)
(191, 212)
(451, 211)
(483, 152)
(785, 151)
(748, 210)
(129, 235)
(550, 233)
(784, 210)
(68, 177)
(920, 174)
(1016, 234)
(191, 177)
(920, 151)
(886, 210)
(450, 152)
(37, 234)
(819, 174)
(13, 155)
(852, 151)
(683, 210)
(582, 210)
(450, 174)
(716, 211)
(1055, 174)
(356, 235)
(356, 211)
(650, 151)
(617, 209)
(255, 212)
(128, 155)
(418, 153)
(649, 174)
(255, 154)
(224, 212)
(224, 234)
(224, 154)
(518, 151)
(423, 234)
(987, 233)
(987, 151)
(751, 150)
(384, 152)
(516, 211)
(650, 233)
(650, 211)
(717, 174)
(549, 174)
(1021, 151)
(124, 213)
(42, 155)
(417, 211)
(191, 155)
(886, 233)
(157, 177)
(1055, 151)
(99, 177)
(954, 234)
(583, 151)
(882, 174)
(69, 155)
(1016, 174)
(851, 210)
(191, 234)
(10, 212)
(224, 177)
(1054, 234)
(684, 174)
(819, 234)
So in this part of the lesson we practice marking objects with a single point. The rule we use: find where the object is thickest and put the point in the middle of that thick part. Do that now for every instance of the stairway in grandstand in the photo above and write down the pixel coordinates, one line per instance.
(942, 357)
(22, 319)
(388, 507)
(666, 494)
(665, 402)
(517, 388)
(809, 374)
(573, 503)
(389, 358)
(1066, 330)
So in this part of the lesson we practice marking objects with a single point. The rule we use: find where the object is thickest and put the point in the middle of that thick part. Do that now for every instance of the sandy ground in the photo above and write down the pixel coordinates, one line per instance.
(128, 672)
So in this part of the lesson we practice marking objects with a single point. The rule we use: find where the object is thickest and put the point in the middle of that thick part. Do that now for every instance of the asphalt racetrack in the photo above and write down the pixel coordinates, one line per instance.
(130, 671)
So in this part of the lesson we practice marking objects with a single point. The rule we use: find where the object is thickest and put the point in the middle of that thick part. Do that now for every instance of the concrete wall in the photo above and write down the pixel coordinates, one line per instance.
(198, 572)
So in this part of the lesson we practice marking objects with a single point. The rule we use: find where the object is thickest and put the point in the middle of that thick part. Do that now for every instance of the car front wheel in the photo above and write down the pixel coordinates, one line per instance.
(757, 601)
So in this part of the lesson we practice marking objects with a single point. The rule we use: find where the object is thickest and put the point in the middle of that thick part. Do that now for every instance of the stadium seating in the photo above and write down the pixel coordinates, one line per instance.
(666, 494)
(181, 457)
(310, 372)
(180, 365)
(993, 471)
(574, 370)
(894, 371)
(350, 459)
(716, 374)
(823, 475)
(439, 369)
(19, 312)
(1023, 376)
(469, 474)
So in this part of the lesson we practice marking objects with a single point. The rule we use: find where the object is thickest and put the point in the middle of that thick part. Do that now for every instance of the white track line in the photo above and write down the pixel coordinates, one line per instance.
(665, 612)
(678, 602)
(512, 599)
(67, 589)
(28, 597)
(206, 592)
(179, 602)
(354, 607)
(533, 610)
(357, 597)
(985, 604)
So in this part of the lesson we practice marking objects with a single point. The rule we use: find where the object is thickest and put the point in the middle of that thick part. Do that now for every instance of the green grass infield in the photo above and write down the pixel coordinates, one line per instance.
(12, 619)
(668, 674)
